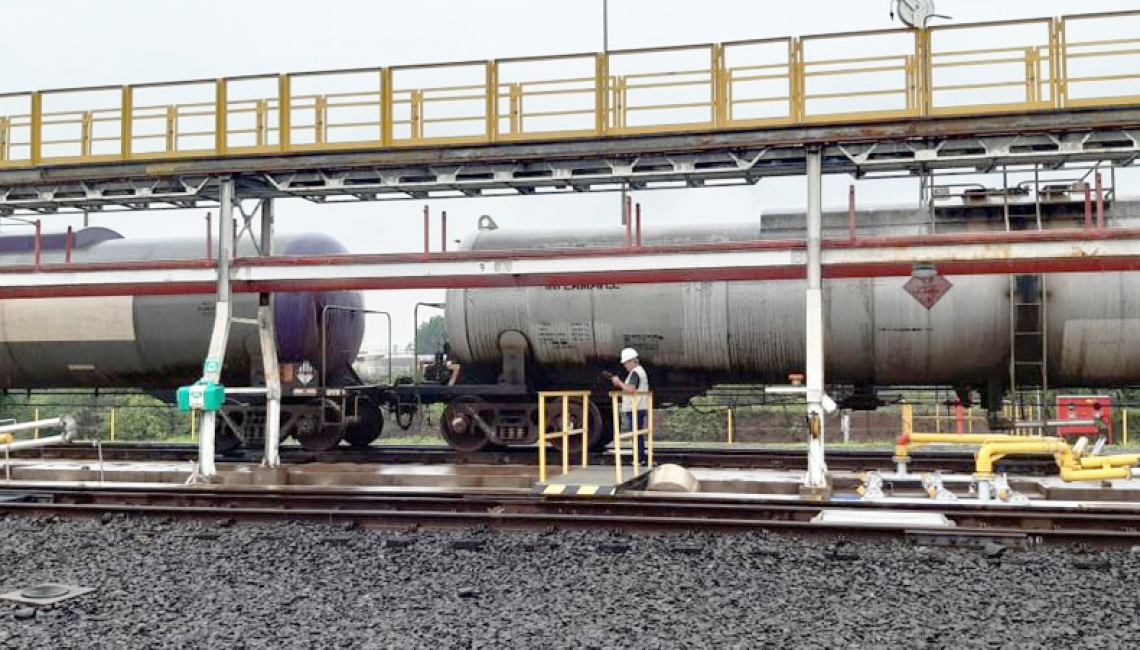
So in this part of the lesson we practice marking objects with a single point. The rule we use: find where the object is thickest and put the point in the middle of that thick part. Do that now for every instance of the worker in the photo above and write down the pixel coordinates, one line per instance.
(637, 381)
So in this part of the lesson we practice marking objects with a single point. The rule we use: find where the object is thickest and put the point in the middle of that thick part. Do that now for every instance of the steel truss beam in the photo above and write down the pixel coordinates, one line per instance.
(958, 254)
(904, 147)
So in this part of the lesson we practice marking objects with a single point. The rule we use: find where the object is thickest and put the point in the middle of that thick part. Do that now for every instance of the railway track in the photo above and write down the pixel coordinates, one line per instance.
(972, 524)
(714, 457)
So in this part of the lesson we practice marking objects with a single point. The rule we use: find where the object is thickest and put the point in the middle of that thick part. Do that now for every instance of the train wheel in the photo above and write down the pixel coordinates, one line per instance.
(368, 428)
(312, 435)
(599, 432)
(459, 425)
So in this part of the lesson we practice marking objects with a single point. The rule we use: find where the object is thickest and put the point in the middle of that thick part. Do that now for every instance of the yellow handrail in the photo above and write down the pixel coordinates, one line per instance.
(635, 432)
(887, 74)
(564, 396)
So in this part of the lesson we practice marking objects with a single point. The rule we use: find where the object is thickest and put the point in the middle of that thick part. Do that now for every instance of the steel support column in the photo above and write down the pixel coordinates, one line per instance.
(212, 368)
(816, 477)
(267, 332)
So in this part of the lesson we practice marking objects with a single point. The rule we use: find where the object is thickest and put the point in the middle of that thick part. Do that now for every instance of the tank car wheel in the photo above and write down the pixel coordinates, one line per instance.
(368, 428)
(313, 436)
(459, 427)
(599, 432)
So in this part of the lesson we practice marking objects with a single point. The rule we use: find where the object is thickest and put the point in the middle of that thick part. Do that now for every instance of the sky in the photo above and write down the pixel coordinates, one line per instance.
(73, 43)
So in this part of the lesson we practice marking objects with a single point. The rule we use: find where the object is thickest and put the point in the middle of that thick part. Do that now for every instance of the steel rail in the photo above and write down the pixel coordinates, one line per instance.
(1037, 525)
(715, 457)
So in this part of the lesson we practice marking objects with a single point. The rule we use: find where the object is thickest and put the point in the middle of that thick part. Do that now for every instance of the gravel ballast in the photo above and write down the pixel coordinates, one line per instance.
(171, 584)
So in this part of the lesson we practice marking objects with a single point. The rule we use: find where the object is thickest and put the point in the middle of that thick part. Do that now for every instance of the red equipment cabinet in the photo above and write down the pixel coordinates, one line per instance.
(1085, 407)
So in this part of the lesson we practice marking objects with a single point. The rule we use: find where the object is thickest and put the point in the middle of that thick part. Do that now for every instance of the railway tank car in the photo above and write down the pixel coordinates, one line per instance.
(157, 343)
(694, 335)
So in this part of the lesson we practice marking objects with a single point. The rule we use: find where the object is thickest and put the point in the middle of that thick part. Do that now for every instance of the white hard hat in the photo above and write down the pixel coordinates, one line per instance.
(628, 354)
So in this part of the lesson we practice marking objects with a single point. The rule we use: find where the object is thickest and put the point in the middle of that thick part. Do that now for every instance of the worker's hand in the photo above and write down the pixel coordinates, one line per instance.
(618, 383)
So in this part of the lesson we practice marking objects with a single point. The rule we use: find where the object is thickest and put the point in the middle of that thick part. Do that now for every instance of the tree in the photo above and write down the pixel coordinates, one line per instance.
(431, 335)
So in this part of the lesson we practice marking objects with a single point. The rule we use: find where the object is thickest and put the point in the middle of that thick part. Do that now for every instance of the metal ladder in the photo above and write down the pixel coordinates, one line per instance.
(1028, 340)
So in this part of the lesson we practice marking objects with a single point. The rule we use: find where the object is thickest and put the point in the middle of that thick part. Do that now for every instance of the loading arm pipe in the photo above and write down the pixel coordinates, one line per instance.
(908, 441)
(1072, 468)
(67, 423)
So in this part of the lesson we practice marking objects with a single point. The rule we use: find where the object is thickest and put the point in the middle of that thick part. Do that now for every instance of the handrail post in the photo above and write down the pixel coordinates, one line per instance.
(649, 445)
(284, 112)
(565, 434)
(796, 85)
(1058, 63)
(719, 79)
(221, 116)
(585, 429)
(542, 437)
(617, 437)
(635, 429)
(386, 106)
(126, 126)
(492, 92)
(602, 93)
(37, 124)
(67, 243)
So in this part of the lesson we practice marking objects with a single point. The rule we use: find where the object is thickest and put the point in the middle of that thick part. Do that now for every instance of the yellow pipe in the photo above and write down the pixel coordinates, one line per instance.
(112, 424)
(1073, 474)
(5, 438)
(1100, 462)
(36, 432)
(730, 426)
(991, 452)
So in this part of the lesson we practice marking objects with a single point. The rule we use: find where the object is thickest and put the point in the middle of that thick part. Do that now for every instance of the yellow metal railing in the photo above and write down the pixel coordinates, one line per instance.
(1029, 65)
(640, 401)
(566, 432)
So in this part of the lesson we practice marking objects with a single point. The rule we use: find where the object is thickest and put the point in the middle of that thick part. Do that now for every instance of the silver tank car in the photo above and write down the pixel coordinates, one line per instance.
(877, 334)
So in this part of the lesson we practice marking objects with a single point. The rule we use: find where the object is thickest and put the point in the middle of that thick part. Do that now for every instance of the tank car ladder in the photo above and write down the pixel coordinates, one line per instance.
(1028, 341)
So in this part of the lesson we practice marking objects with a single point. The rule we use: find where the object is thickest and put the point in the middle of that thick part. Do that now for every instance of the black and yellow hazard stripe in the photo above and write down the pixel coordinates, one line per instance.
(563, 490)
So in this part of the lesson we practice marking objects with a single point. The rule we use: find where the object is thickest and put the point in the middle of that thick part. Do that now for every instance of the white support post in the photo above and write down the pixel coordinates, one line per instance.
(212, 368)
(816, 477)
(267, 332)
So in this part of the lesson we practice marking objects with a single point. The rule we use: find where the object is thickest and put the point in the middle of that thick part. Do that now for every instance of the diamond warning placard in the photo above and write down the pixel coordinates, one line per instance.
(928, 291)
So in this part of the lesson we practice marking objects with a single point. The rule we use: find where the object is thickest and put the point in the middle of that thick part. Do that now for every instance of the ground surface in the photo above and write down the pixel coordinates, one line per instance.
(163, 584)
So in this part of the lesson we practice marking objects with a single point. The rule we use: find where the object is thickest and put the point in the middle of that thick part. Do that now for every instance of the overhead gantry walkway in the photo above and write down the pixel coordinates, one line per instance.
(1041, 92)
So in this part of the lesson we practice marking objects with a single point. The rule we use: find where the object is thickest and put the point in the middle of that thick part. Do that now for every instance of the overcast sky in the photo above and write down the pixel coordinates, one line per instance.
(69, 43)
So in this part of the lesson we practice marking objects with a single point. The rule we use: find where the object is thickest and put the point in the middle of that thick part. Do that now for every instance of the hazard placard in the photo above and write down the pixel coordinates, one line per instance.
(928, 291)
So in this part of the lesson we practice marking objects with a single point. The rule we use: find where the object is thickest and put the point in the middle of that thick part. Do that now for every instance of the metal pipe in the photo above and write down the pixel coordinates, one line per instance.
(1088, 206)
(627, 214)
(443, 231)
(209, 237)
(1099, 201)
(67, 243)
(427, 230)
(38, 245)
(637, 226)
(63, 438)
(32, 425)
(219, 337)
(816, 476)
(267, 336)
(851, 213)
